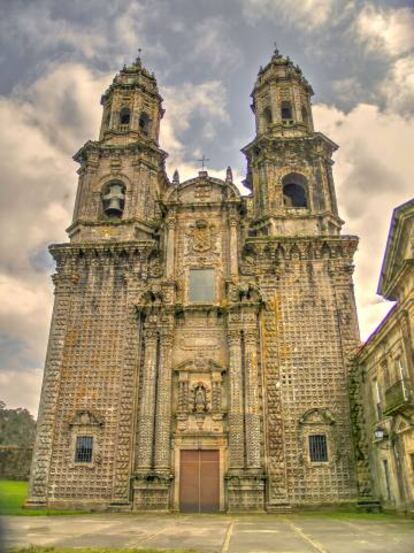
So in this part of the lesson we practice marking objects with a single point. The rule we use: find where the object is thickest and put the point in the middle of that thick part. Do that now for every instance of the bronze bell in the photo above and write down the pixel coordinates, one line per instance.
(114, 201)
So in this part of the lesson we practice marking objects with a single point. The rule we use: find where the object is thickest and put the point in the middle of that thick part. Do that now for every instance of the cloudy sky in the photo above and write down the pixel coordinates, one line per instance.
(57, 57)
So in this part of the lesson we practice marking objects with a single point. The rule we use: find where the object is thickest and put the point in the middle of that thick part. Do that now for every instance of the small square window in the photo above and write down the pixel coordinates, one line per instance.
(84, 446)
(202, 286)
(318, 450)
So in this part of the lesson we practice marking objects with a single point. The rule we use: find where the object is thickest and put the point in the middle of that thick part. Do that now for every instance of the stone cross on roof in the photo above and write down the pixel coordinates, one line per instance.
(203, 161)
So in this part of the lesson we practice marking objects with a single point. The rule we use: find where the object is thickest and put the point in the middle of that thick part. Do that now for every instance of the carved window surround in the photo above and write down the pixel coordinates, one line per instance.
(318, 421)
(85, 423)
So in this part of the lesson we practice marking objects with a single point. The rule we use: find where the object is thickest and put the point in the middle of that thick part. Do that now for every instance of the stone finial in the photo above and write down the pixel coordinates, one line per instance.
(229, 174)
(176, 177)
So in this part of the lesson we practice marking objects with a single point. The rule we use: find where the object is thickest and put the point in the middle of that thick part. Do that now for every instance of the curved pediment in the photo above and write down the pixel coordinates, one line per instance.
(202, 190)
(85, 418)
(199, 365)
(317, 416)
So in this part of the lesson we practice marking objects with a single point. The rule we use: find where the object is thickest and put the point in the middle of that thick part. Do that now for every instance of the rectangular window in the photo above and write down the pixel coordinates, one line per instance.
(202, 286)
(83, 453)
(318, 449)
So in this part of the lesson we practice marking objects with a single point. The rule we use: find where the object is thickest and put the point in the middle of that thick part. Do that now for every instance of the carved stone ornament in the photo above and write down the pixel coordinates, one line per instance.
(85, 418)
(202, 236)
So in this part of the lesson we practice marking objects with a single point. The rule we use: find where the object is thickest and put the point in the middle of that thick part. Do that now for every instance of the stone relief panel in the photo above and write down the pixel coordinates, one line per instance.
(199, 335)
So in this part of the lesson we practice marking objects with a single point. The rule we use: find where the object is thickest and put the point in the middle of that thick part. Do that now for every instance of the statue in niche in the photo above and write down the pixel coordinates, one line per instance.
(200, 399)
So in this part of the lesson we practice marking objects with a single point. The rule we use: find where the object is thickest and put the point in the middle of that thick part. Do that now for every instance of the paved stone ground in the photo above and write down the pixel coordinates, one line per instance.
(218, 533)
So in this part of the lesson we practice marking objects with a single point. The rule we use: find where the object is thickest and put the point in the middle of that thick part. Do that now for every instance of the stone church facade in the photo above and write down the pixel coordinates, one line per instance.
(197, 358)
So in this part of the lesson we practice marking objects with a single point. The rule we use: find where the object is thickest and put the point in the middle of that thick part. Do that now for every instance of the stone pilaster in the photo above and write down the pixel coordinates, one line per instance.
(163, 408)
(147, 403)
(253, 449)
(236, 416)
(170, 247)
(234, 261)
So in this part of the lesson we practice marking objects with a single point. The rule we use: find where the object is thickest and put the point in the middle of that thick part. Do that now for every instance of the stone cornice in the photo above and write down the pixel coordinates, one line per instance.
(385, 327)
(296, 213)
(100, 249)
(348, 241)
(283, 142)
(102, 148)
(149, 226)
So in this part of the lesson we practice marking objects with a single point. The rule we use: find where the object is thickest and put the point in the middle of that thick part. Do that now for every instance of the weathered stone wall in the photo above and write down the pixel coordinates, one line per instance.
(308, 330)
(95, 377)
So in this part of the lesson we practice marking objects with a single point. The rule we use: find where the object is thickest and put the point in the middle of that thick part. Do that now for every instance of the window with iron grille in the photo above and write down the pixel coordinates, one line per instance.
(318, 449)
(83, 453)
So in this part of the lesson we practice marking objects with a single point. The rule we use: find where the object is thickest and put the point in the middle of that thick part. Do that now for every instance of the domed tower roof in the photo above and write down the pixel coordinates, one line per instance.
(131, 77)
(281, 69)
(132, 107)
(282, 99)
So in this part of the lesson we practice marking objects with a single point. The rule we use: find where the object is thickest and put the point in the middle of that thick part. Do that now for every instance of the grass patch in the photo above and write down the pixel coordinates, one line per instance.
(12, 497)
(36, 549)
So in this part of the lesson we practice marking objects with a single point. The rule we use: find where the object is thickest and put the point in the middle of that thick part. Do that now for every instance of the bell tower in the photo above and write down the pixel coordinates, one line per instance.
(131, 107)
(289, 164)
(122, 176)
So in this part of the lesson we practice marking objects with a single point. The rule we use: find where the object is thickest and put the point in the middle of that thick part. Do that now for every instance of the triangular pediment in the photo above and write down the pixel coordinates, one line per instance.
(403, 424)
(399, 252)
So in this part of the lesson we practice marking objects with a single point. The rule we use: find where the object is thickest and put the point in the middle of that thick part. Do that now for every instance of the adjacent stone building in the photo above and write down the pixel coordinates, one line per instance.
(198, 349)
(384, 374)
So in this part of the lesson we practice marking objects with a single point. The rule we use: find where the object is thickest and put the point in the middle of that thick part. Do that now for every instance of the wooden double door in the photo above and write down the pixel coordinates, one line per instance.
(199, 481)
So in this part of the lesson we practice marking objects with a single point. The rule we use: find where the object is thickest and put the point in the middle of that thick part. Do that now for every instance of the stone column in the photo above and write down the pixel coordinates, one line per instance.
(163, 407)
(236, 415)
(147, 403)
(252, 414)
(234, 261)
(170, 247)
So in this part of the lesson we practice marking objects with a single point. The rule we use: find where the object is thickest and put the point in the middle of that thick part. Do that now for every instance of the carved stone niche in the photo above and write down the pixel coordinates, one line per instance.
(199, 396)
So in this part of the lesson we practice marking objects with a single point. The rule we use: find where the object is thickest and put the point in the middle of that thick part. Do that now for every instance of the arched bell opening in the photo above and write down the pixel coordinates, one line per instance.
(295, 191)
(144, 123)
(113, 199)
(286, 111)
(267, 117)
(125, 117)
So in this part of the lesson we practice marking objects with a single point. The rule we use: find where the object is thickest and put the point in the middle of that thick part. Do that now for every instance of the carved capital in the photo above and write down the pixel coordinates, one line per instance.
(250, 338)
(171, 223)
(150, 334)
(233, 337)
